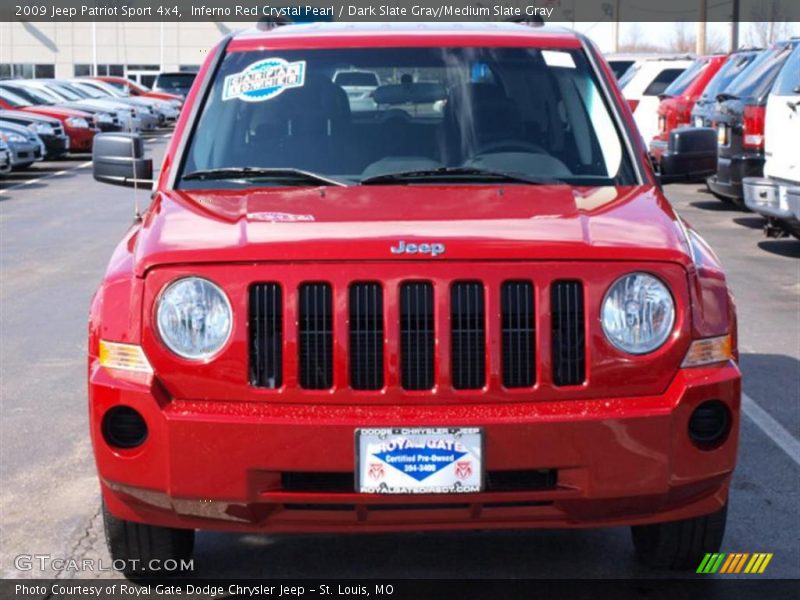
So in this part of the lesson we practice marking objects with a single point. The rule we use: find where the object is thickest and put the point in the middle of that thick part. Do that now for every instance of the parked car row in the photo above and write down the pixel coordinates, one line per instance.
(732, 120)
(48, 118)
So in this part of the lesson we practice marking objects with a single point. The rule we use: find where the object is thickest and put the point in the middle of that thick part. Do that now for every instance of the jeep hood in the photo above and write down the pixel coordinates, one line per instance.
(510, 222)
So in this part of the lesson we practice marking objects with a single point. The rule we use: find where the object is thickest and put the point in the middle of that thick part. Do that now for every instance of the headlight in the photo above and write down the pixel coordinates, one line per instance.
(77, 122)
(104, 118)
(42, 128)
(16, 138)
(194, 318)
(638, 313)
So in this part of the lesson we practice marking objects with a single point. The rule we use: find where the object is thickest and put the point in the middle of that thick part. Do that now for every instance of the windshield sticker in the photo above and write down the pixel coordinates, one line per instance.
(264, 80)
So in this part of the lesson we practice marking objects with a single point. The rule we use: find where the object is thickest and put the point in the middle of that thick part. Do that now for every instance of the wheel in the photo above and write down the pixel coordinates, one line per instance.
(680, 544)
(137, 544)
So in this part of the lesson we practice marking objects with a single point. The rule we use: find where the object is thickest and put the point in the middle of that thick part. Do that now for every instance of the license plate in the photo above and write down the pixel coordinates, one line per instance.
(443, 460)
(698, 121)
(722, 134)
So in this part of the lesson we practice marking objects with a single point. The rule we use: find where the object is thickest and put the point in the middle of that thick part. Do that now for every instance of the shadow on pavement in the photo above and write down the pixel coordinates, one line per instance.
(789, 247)
(480, 554)
(716, 205)
(753, 222)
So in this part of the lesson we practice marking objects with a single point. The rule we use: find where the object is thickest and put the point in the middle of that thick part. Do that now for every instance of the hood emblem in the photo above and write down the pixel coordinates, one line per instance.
(432, 248)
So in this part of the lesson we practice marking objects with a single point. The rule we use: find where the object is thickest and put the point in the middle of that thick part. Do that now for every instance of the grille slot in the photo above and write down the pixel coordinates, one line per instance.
(316, 336)
(518, 332)
(569, 354)
(468, 341)
(417, 335)
(266, 335)
(366, 336)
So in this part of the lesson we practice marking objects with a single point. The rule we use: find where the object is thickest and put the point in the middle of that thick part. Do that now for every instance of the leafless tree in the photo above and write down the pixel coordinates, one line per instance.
(767, 23)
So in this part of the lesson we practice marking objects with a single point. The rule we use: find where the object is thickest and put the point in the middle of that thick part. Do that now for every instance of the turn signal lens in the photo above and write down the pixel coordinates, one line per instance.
(709, 351)
(127, 357)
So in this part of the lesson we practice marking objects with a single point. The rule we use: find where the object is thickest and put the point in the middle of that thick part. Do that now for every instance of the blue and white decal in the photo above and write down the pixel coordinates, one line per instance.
(419, 460)
(264, 80)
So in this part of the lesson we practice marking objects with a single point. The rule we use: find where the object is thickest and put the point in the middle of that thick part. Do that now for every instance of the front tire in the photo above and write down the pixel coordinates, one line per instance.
(680, 544)
(137, 544)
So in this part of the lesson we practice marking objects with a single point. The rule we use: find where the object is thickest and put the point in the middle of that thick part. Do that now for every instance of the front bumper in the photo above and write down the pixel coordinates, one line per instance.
(5, 161)
(23, 154)
(731, 171)
(55, 145)
(768, 197)
(221, 465)
(80, 138)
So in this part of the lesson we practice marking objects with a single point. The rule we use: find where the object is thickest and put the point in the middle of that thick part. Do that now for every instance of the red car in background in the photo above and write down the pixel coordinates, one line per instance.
(78, 125)
(679, 99)
(135, 89)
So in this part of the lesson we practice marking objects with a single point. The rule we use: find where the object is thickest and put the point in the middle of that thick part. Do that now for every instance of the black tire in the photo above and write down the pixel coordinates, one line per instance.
(137, 544)
(680, 544)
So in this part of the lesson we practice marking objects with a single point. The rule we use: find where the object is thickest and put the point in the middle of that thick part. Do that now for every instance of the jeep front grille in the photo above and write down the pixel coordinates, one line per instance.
(437, 331)
(366, 336)
(518, 329)
(316, 336)
(417, 335)
(569, 356)
(266, 335)
(468, 336)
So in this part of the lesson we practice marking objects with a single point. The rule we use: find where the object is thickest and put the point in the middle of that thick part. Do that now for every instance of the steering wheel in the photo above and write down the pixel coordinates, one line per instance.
(509, 146)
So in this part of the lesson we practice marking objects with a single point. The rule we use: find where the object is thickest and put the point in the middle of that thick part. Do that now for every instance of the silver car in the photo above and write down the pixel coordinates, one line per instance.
(25, 146)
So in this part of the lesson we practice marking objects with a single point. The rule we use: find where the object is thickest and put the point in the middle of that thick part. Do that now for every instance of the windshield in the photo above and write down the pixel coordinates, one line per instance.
(88, 91)
(66, 92)
(13, 99)
(525, 111)
(34, 96)
(729, 71)
(628, 76)
(175, 82)
(685, 79)
(756, 80)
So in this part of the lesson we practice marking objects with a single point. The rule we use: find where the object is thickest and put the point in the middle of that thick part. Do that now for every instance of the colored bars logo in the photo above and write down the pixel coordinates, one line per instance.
(735, 562)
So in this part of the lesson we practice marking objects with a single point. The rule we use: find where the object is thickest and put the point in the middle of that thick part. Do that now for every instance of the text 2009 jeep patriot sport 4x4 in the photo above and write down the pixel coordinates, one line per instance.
(464, 305)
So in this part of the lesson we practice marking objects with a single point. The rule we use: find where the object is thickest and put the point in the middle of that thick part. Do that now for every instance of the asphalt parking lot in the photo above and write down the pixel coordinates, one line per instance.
(57, 230)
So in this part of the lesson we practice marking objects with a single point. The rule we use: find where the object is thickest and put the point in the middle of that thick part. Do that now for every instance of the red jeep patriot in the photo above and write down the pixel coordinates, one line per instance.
(462, 304)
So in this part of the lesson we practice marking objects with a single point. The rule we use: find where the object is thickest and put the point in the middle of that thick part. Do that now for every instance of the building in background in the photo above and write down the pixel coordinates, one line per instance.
(127, 49)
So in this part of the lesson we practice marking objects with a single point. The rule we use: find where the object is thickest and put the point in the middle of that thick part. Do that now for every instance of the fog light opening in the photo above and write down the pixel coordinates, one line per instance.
(123, 427)
(709, 424)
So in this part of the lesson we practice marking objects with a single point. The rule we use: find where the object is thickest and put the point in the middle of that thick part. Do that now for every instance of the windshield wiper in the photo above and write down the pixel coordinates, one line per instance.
(286, 174)
(459, 173)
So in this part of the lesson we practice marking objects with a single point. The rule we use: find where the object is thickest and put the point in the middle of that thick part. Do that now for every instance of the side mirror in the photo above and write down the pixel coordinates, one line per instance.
(691, 153)
(118, 159)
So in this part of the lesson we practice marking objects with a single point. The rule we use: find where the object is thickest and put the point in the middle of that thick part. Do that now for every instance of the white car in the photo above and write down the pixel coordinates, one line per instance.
(359, 86)
(644, 82)
(777, 195)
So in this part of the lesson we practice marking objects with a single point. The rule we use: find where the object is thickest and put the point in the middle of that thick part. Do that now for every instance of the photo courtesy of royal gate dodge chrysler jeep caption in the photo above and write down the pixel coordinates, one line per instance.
(465, 304)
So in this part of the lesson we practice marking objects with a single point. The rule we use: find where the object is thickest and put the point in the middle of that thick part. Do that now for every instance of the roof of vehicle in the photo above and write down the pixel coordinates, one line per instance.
(343, 34)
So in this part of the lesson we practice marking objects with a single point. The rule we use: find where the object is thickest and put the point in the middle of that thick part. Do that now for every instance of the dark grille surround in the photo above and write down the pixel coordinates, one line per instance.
(266, 335)
(569, 353)
(316, 336)
(417, 335)
(366, 336)
(469, 329)
(468, 336)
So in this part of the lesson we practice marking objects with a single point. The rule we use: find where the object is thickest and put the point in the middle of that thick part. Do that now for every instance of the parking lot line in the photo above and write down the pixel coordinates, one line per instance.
(777, 432)
(56, 174)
